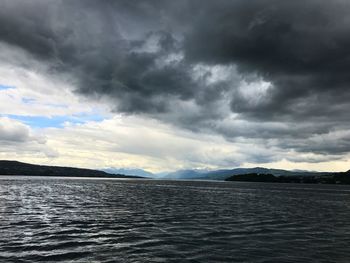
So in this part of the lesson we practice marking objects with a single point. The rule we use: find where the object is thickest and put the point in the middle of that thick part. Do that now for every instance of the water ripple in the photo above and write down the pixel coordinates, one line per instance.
(77, 220)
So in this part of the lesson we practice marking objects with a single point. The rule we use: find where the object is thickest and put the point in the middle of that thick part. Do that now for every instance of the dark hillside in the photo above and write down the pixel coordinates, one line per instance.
(19, 168)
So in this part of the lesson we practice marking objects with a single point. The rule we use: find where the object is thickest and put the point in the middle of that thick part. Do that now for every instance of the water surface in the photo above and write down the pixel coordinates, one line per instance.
(91, 220)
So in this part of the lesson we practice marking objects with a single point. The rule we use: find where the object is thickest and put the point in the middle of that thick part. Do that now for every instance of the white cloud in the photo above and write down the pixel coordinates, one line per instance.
(134, 142)
(18, 139)
(129, 141)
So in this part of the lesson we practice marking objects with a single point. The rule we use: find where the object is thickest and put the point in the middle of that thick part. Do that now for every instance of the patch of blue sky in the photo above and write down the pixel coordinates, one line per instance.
(28, 100)
(4, 87)
(86, 117)
(55, 121)
(34, 101)
(56, 105)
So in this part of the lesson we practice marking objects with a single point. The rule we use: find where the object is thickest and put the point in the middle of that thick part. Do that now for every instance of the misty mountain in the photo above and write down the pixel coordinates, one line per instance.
(187, 174)
(127, 171)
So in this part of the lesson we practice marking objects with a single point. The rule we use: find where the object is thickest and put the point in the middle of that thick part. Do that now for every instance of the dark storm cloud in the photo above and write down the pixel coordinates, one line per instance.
(302, 47)
(100, 44)
(142, 57)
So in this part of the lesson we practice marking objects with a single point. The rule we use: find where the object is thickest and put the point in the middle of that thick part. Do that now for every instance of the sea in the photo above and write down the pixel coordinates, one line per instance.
(135, 220)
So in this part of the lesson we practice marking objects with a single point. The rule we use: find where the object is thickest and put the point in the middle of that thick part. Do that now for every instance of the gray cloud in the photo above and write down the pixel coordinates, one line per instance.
(91, 39)
(13, 133)
(301, 47)
(158, 58)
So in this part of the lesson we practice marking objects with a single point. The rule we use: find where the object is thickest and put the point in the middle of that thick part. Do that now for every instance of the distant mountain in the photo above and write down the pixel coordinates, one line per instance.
(186, 174)
(19, 168)
(126, 171)
(225, 173)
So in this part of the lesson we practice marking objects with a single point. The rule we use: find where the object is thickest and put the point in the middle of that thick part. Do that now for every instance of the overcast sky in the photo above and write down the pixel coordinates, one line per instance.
(165, 85)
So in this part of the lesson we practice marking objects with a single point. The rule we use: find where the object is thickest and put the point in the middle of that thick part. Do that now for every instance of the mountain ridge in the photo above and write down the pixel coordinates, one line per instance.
(222, 174)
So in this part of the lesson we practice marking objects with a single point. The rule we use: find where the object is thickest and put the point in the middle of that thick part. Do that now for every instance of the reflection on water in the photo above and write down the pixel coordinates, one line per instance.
(85, 220)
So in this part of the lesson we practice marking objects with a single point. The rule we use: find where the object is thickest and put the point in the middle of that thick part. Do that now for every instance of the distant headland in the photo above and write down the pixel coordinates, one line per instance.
(330, 178)
(19, 168)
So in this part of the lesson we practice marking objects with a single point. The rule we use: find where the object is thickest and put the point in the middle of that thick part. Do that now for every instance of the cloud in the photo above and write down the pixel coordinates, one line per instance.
(138, 68)
(13, 132)
(88, 42)
(300, 47)
(17, 138)
(273, 74)
(131, 141)
(138, 142)
(32, 90)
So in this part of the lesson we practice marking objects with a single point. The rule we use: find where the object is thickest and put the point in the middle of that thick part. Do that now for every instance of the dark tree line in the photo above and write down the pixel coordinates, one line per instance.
(335, 178)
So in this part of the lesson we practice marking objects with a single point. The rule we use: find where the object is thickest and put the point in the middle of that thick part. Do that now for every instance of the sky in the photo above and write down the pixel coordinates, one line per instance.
(164, 85)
